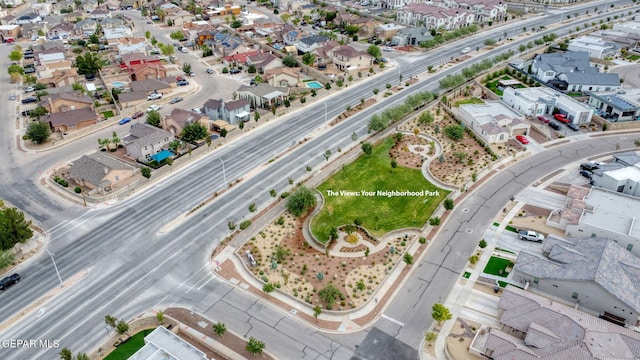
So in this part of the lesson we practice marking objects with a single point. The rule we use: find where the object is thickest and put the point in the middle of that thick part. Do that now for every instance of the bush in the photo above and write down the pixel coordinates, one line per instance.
(473, 259)
(284, 195)
(482, 244)
(77, 189)
(422, 240)
(448, 204)
(245, 224)
(408, 258)
(435, 221)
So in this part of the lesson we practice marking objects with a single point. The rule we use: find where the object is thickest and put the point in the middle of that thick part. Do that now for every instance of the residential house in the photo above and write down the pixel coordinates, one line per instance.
(411, 36)
(620, 39)
(151, 70)
(493, 122)
(9, 32)
(179, 118)
(226, 10)
(100, 13)
(29, 18)
(264, 62)
(292, 36)
(137, 58)
(86, 27)
(348, 59)
(112, 23)
(63, 102)
(239, 58)
(434, 17)
(145, 140)
(161, 343)
(366, 25)
(571, 71)
(619, 176)
(538, 101)
(283, 77)
(263, 95)
(126, 47)
(132, 98)
(74, 16)
(117, 32)
(617, 106)
(152, 85)
(53, 54)
(100, 172)
(71, 120)
(60, 78)
(594, 273)
(232, 112)
(61, 30)
(535, 327)
(595, 47)
(178, 16)
(33, 31)
(388, 31)
(629, 27)
(310, 43)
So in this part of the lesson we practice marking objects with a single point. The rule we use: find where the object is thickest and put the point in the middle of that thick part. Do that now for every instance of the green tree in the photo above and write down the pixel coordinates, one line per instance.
(289, 61)
(166, 49)
(147, 35)
(186, 68)
(329, 294)
(460, 155)
(367, 148)
(15, 55)
(110, 321)
(160, 13)
(146, 172)
(377, 123)
(454, 132)
(206, 50)
(13, 228)
(15, 69)
(65, 354)
(122, 327)
(308, 58)
(160, 317)
(153, 118)
(104, 143)
(81, 356)
(193, 132)
(374, 51)
(6, 258)
(317, 310)
(254, 346)
(251, 69)
(88, 64)
(440, 313)
(448, 204)
(327, 86)
(38, 112)
(300, 201)
(177, 35)
(236, 24)
(280, 253)
(490, 42)
(38, 132)
(219, 328)
(352, 29)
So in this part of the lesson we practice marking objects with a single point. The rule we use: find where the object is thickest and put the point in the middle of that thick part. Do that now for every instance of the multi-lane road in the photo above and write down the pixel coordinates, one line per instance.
(116, 261)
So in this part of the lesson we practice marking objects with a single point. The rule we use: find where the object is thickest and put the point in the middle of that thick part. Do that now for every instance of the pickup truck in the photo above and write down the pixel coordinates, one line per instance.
(530, 236)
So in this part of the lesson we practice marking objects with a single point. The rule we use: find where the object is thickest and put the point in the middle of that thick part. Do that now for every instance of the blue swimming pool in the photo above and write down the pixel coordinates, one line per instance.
(161, 155)
(314, 85)
(118, 84)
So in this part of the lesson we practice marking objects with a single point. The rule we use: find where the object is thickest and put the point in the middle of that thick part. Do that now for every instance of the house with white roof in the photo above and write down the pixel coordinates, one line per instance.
(163, 344)
(594, 46)
(622, 175)
(493, 121)
(536, 327)
(630, 27)
(538, 101)
(617, 106)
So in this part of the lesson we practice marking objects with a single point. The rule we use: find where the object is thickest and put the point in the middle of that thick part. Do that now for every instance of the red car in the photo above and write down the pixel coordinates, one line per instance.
(562, 118)
(543, 119)
(522, 139)
(138, 114)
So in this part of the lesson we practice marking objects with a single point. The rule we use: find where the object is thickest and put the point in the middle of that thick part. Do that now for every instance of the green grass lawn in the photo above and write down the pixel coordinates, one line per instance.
(469, 101)
(493, 85)
(574, 94)
(379, 214)
(496, 264)
(632, 57)
(124, 351)
(107, 114)
(466, 275)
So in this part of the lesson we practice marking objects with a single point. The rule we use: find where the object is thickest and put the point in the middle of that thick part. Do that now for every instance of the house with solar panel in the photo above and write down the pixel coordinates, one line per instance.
(617, 106)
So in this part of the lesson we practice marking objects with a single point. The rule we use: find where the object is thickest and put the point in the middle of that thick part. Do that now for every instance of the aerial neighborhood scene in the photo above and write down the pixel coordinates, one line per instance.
(320, 179)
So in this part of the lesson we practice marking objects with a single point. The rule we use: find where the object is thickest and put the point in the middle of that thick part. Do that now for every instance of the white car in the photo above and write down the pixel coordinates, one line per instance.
(386, 48)
(154, 96)
(197, 110)
(29, 89)
(465, 50)
(184, 50)
(154, 108)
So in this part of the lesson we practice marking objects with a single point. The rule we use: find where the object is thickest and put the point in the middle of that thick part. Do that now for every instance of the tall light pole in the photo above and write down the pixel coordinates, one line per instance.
(326, 119)
(55, 267)
(224, 174)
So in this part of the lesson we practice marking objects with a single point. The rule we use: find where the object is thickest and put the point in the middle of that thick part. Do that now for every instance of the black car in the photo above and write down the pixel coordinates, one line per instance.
(554, 125)
(586, 174)
(234, 71)
(9, 281)
(573, 127)
(26, 112)
(29, 70)
(588, 166)
(29, 100)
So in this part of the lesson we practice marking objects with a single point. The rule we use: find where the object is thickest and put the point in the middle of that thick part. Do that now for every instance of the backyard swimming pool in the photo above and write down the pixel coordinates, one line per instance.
(118, 84)
(314, 85)
(162, 155)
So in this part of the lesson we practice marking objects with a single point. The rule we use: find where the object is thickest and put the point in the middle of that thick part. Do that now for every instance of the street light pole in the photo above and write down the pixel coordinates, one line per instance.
(326, 119)
(224, 174)
(55, 267)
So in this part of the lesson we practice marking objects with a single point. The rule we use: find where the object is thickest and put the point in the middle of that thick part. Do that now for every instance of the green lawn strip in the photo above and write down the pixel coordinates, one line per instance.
(466, 275)
(496, 264)
(124, 351)
(505, 250)
(107, 114)
(469, 101)
(379, 214)
(511, 228)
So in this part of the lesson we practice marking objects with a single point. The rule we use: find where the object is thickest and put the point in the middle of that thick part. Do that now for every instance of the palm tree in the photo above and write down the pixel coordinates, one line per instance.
(88, 64)
(104, 143)
(115, 140)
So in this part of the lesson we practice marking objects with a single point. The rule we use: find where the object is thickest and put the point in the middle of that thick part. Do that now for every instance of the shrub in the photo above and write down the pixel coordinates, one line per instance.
(422, 240)
(77, 189)
(435, 221)
(448, 204)
(408, 258)
(245, 224)
(284, 195)
(473, 259)
(482, 244)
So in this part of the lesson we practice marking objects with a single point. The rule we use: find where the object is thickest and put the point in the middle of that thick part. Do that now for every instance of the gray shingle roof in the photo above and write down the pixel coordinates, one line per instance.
(145, 134)
(313, 39)
(593, 78)
(71, 117)
(588, 259)
(94, 167)
(554, 331)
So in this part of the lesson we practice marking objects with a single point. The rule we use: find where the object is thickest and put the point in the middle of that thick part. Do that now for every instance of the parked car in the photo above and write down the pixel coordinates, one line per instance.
(589, 166)
(192, 74)
(28, 66)
(139, 114)
(573, 127)
(175, 100)
(544, 119)
(522, 139)
(197, 110)
(12, 97)
(182, 82)
(9, 281)
(29, 89)
(234, 71)
(586, 174)
(184, 50)
(530, 236)
(26, 112)
(153, 108)
(386, 48)
(30, 70)
(124, 121)
(562, 118)
(28, 56)
(29, 100)
(554, 125)
(154, 96)
(209, 70)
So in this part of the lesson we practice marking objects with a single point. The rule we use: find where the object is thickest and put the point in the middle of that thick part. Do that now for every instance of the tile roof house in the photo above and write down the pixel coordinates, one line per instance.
(434, 17)
(179, 118)
(571, 71)
(493, 121)
(346, 58)
(284, 77)
(148, 70)
(264, 62)
(62, 102)
(263, 95)
(239, 58)
(310, 43)
(595, 273)
(60, 77)
(150, 85)
(86, 27)
(535, 327)
(100, 172)
(145, 140)
(232, 112)
(137, 58)
(71, 120)
(132, 98)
